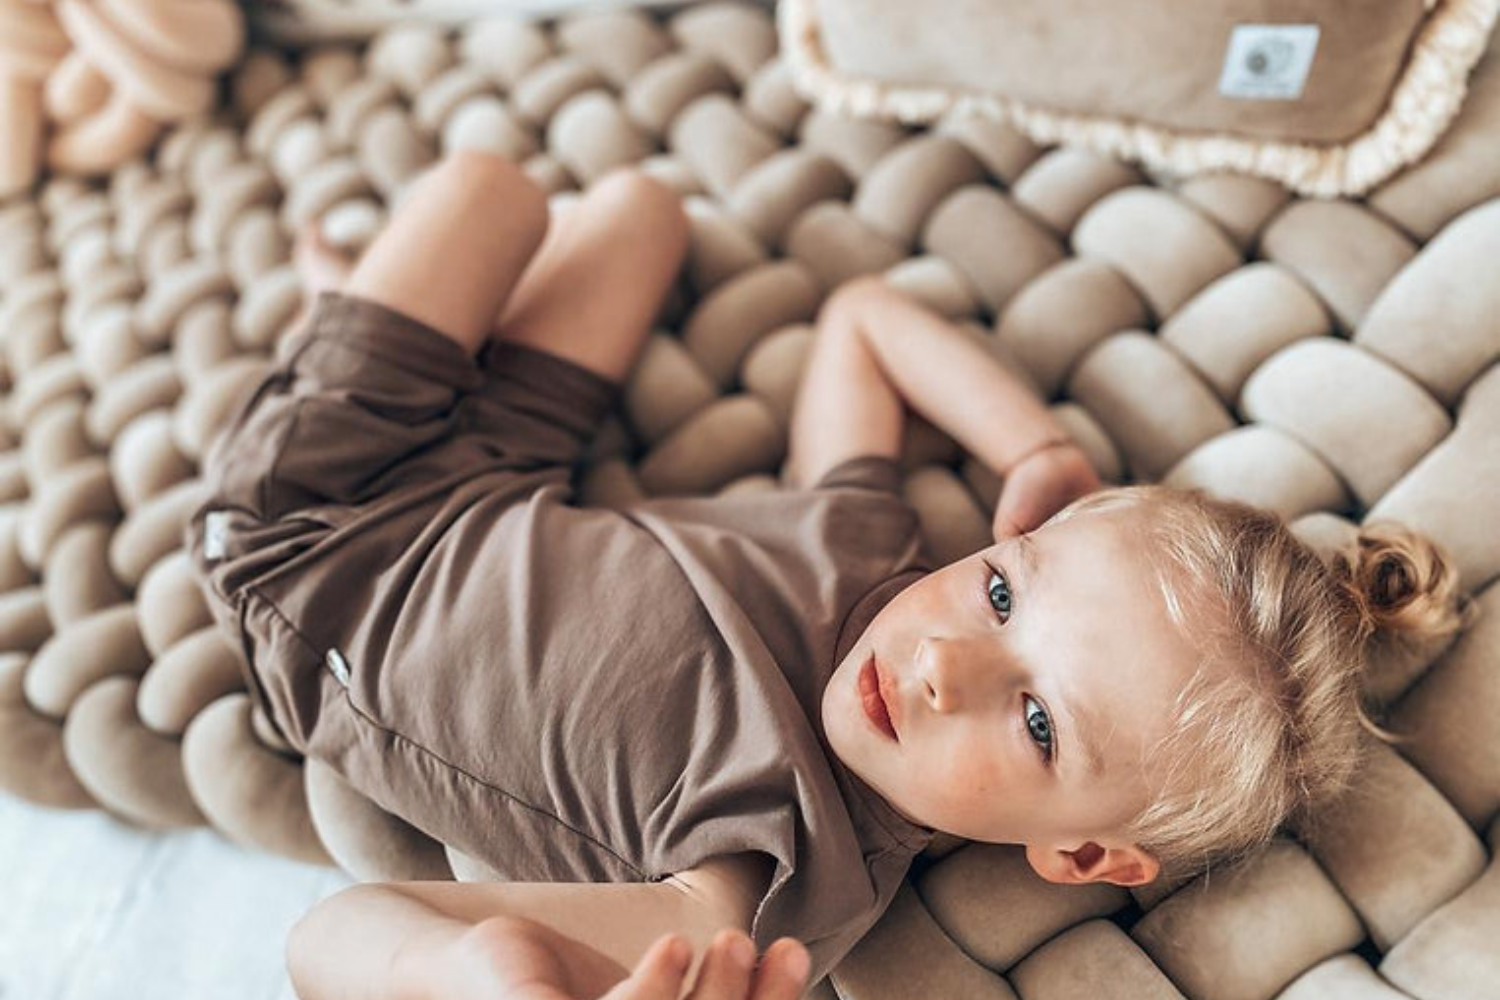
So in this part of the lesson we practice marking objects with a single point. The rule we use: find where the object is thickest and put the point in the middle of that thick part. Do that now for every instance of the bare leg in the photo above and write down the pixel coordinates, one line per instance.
(591, 291)
(322, 267)
(601, 276)
(455, 248)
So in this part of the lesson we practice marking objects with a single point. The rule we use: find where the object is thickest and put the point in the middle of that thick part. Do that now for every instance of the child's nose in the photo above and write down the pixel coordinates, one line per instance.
(950, 672)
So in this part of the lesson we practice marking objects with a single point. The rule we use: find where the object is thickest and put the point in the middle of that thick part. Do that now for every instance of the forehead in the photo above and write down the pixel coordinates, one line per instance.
(1100, 623)
(1104, 558)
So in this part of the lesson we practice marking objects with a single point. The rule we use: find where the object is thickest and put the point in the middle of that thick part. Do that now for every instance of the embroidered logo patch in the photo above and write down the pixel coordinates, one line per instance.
(1268, 61)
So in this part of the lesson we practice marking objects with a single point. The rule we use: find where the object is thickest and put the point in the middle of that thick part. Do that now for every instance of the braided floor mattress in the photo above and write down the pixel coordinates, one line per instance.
(1332, 360)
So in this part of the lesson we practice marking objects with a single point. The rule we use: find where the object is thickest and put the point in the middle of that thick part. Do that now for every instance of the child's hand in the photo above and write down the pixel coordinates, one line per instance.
(724, 974)
(514, 959)
(1040, 486)
(500, 958)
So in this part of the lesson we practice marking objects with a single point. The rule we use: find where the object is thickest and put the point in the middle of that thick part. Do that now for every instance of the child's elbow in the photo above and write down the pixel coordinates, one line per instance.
(309, 952)
(299, 957)
(853, 291)
(848, 301)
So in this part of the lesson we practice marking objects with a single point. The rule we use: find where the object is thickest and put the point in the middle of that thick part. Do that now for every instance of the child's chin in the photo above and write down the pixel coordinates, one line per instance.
(836, 727)
(831, 728)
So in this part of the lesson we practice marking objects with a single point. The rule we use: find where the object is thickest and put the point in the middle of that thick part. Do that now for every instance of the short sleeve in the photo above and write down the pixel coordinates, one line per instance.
(873, 472)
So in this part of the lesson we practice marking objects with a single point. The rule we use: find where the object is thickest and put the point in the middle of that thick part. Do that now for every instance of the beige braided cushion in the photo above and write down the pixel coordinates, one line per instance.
(86, 85)
(1333, 360)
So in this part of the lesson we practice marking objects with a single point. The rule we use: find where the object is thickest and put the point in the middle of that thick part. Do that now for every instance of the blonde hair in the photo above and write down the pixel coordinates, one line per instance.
(1270, 725)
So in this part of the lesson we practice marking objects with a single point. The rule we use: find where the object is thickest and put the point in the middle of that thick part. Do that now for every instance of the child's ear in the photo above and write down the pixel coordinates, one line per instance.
(1125, 865)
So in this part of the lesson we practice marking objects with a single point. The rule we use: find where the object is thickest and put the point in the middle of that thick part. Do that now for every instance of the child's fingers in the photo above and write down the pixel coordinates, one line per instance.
(783, 971)
(658, 975)
(725, 974)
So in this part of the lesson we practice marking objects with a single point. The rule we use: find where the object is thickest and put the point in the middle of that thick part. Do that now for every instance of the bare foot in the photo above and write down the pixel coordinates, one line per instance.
(320, 266)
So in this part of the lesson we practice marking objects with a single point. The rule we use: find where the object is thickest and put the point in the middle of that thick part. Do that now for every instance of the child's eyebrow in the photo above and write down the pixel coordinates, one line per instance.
(1082, 723)
(1030, 558)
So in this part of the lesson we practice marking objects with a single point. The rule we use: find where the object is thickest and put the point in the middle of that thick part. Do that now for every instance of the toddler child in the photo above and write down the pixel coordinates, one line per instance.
(693, 728)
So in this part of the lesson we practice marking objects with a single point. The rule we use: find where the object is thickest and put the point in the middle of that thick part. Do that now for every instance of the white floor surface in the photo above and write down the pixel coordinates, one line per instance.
(94, 909)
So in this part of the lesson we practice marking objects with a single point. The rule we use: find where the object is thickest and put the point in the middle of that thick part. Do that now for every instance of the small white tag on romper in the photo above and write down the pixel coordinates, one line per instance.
(215, 534)
(1268, 61)
(338, 665)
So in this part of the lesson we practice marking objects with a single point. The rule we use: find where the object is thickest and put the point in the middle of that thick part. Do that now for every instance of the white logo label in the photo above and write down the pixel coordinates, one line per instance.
(215, 534)
(1268, 61)
(338, 665)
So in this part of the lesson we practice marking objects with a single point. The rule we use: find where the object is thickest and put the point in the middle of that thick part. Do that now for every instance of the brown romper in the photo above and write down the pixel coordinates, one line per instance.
(565, 693)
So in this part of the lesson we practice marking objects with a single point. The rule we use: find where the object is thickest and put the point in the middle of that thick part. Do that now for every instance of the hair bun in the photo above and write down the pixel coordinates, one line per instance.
(1403, 584)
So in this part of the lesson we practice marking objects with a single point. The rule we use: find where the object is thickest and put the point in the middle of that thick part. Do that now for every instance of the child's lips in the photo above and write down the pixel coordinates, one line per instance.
(877, 695)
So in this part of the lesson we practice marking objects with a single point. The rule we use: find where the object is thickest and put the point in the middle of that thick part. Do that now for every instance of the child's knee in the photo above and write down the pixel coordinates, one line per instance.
(653, 208)
(493, 184)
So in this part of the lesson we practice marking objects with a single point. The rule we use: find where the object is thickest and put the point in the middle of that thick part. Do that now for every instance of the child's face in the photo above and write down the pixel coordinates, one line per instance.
(1067, 642)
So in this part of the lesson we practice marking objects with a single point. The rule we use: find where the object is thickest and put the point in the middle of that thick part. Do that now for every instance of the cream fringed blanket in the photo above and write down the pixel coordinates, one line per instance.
(1328, 99)
(1332, 360)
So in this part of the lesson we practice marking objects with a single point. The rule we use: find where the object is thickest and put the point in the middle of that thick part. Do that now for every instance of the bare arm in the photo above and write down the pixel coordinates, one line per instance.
(877, 351)
(408, 940)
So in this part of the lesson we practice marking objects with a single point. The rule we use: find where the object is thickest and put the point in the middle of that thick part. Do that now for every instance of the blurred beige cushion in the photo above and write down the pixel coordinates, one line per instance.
(1325, 98)
(303, 21)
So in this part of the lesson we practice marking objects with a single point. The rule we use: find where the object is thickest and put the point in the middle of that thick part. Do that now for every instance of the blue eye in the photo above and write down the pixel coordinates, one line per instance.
(998, 588)
(1039, 726)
